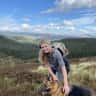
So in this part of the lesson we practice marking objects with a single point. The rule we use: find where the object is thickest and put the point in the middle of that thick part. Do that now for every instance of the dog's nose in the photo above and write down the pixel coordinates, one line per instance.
(48, 89)
(46, 92)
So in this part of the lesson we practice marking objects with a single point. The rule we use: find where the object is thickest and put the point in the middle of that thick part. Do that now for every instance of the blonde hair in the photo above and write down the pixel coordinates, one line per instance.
(45, 41)
(43, 57)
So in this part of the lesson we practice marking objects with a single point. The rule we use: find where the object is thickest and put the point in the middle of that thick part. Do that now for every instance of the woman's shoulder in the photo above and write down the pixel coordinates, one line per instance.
(56, 51)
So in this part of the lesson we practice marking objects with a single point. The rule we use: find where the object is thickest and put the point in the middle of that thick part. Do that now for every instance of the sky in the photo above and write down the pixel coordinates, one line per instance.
(63, 17)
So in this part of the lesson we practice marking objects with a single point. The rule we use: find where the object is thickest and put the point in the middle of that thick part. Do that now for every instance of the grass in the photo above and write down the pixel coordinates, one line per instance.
(16, 66)
(83, 74)
(19, 82)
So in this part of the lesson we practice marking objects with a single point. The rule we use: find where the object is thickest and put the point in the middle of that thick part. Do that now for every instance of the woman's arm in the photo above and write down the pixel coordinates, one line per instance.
(61, 63)
(64, 75)
(66, 87)
(51, 72)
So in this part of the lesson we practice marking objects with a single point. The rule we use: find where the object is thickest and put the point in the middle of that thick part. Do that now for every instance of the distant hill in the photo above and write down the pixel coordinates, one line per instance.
(10, 47)
(82, 47)
(34, 34)
(25, 39)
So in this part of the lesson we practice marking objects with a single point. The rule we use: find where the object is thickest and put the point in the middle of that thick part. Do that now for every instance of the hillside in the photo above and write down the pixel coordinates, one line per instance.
(22, 80)
(25, 39)
(83, 47)
(9, 47)
(80, 47)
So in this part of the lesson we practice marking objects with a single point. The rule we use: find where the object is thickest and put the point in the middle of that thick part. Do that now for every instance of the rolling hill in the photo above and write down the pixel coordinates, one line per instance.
(10, 47)
(80, 47)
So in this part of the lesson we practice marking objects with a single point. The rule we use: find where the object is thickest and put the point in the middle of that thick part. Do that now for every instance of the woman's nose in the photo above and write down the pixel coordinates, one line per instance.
(45, 48)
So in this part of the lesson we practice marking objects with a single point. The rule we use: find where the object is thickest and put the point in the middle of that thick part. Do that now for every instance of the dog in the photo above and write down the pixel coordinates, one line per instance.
(79, 91)
(56, 90)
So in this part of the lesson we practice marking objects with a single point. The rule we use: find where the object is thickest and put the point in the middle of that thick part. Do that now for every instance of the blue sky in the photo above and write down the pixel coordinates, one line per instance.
(65, 17)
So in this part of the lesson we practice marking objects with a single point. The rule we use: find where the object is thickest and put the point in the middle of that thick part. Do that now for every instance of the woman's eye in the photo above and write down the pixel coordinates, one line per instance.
(44, 47)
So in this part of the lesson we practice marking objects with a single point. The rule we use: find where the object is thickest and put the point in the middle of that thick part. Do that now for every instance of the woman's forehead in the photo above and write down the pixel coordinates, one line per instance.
(44, 44)
(45, 41)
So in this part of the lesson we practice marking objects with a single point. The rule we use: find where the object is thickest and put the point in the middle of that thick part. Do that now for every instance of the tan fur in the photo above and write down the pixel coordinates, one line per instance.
(55, 88)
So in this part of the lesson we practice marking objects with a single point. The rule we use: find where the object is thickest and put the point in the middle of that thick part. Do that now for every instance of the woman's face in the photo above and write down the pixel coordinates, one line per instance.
(45, 48)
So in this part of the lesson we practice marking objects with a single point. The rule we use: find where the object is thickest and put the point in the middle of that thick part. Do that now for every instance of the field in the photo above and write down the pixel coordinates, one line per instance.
(79, 47)
(22, 75)
(26, 79)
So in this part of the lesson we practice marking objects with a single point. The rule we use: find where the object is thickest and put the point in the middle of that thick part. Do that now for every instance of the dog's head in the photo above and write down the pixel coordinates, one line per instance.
(51, 84)
(54, 87)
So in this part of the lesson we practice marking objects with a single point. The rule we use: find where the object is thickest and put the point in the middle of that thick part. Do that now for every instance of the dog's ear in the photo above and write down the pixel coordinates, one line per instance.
(45, 80)
(48, 78)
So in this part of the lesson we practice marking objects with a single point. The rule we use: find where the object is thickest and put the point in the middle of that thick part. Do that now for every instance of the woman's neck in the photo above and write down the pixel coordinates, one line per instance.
(51, 50)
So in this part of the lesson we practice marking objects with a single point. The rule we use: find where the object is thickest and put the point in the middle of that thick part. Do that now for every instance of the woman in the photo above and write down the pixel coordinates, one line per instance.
(53, 61)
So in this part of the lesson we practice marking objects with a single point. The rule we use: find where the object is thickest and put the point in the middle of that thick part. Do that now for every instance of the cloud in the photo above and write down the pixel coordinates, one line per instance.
(25, 26)
(26, 19)
(91, 29)
(51, 27)
(68, 23)
(65, 5)
(83, 26)
(7, 21)
(4, 28)
(11, 25)
(84, 21)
